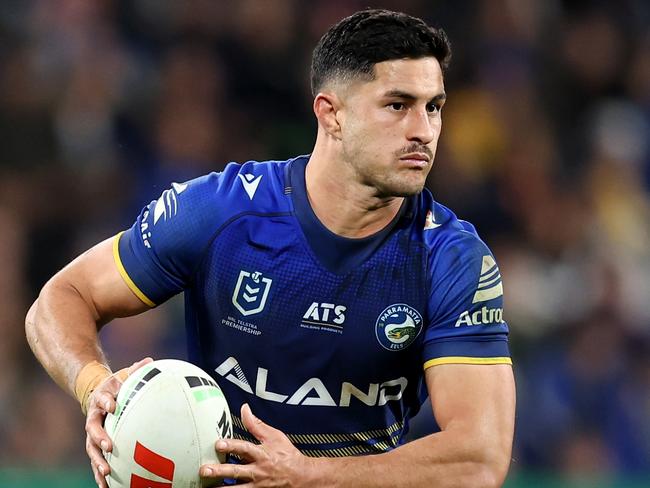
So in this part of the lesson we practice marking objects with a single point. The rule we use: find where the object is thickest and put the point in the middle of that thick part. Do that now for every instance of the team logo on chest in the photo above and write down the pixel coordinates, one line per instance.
(398, 326)
(251, 292)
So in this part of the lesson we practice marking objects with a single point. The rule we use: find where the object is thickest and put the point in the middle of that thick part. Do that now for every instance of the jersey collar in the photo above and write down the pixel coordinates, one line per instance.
(336, 253)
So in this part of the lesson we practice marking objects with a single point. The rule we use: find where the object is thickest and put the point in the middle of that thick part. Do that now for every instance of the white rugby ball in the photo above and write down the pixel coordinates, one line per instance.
(168, 417)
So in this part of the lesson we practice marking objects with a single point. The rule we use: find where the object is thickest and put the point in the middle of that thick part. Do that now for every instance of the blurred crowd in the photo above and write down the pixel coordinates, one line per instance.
(545, 148)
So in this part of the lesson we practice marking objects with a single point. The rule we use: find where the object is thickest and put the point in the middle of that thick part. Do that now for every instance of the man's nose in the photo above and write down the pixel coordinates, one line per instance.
(421, 127)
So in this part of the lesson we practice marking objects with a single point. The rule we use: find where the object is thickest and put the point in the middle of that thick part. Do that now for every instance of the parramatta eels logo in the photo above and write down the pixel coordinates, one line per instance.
(398, 326)
(251, 292)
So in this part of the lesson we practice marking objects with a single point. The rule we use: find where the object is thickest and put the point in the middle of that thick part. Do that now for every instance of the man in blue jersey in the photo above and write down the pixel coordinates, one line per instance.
(329, 294)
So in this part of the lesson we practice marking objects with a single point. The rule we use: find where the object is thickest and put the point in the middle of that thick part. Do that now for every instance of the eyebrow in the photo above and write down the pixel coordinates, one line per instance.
(411, 97)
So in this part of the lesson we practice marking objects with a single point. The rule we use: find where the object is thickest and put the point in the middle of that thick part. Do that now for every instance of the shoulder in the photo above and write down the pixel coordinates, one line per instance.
(460, 266)
(215, 198)
(465, 292)
(242, 186)
(448, 239)
(162, 249)
(250, 187)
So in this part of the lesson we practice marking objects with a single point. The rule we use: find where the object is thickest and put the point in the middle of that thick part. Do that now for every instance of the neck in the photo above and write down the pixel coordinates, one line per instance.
(343, 204)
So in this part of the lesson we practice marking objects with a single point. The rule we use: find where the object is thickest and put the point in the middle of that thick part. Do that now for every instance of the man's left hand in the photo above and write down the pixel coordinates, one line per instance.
(273, 463)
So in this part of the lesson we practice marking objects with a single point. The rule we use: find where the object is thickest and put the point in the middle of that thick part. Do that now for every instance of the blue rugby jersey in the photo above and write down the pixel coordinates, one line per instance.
(327, 338)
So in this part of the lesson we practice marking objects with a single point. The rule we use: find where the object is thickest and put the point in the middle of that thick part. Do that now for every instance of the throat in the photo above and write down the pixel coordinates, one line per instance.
(347, 215)
(341, 229)
(345, 206)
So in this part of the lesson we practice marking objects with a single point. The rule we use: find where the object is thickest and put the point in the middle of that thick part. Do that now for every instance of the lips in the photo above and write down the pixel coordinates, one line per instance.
(419, 160)
(419, 156)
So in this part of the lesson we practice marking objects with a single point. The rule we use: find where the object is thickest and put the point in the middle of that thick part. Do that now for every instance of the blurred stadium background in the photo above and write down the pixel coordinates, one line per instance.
(545, 147)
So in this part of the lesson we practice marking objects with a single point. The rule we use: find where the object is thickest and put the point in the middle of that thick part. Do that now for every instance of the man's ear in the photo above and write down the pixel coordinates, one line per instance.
(327, 107)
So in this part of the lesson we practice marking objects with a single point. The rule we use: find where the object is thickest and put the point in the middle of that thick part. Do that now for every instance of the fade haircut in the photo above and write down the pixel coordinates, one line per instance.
(351, 48)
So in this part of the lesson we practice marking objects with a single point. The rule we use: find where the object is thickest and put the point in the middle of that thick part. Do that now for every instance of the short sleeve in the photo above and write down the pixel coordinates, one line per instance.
(465, 306)
(158, 255)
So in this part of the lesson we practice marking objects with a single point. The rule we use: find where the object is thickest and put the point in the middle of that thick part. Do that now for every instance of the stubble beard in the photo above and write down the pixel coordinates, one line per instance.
(387, 182)
(400, 187)
(392, 180)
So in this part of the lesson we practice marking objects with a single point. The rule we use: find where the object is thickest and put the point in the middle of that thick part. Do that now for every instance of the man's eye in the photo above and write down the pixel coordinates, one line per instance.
(397, 106)
(433, 108)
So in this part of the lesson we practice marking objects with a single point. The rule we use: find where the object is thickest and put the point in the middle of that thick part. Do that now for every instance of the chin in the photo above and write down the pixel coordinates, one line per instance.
(402, 190)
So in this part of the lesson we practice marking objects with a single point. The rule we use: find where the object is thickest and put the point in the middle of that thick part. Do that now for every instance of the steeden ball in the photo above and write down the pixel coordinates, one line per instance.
(168, 417)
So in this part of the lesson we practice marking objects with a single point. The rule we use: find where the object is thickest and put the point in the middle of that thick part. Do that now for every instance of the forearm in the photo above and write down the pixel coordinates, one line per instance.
(61, 329)
(443, 460)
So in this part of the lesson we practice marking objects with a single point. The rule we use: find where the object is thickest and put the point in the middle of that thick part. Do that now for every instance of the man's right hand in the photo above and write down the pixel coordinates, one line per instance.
(102, 401)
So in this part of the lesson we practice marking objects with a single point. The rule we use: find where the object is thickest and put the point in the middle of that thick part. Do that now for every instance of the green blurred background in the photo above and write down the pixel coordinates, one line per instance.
(545, 148)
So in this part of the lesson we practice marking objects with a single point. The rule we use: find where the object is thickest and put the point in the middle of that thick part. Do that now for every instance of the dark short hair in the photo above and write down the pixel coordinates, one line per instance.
(353, 46)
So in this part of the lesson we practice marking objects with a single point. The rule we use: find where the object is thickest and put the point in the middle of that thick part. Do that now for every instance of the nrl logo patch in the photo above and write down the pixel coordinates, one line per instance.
(251, 292)
(398, 326)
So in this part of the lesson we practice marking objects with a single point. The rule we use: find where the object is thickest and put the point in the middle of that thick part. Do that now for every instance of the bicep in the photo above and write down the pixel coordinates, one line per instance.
(97, 279)
(476, 399)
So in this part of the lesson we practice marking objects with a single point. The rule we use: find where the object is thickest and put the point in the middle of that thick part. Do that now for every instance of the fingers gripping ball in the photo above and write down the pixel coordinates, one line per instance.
(168, 418)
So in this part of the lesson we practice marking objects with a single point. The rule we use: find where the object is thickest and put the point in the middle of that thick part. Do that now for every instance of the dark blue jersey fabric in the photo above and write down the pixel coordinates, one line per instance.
(327, 338)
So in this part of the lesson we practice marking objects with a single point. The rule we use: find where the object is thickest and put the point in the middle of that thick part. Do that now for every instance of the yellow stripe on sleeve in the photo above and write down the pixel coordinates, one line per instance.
(466, 360)
(125, 276)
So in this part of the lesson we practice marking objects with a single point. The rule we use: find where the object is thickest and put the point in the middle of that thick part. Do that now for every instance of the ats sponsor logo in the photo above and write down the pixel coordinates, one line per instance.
(484, 316)
(312, 392)
(324, 316)
(398, 326)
